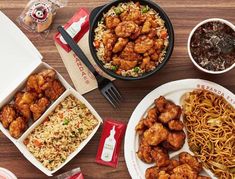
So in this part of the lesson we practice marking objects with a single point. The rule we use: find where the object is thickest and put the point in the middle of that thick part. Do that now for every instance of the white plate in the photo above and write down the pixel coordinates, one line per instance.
(173, 91)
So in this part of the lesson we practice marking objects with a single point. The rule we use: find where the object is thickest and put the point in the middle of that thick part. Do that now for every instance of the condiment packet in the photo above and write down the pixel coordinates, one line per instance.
(72, 174)
(38, 15)
(110, 143)
(76, 27)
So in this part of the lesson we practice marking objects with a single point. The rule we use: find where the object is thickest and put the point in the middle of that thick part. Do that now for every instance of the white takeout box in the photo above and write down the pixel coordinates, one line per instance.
(18, 59)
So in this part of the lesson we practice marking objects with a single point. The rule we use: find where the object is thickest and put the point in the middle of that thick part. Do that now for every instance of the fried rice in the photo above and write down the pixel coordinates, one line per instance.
(61, 133)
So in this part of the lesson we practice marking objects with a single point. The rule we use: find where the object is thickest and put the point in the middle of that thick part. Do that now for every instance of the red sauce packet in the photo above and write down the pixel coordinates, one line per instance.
(73, 174)
(77, 26)
(110, 142)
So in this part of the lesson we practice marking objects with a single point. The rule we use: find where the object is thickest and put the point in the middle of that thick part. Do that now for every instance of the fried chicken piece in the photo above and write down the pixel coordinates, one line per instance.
(107, 54)
(127, 65)
(17, 127)
(120, 44)
(125, 29)
(203, 177)
(136, 33)
(171, 112)
(116, 60)
(186, 171)
(186, 158)
(143, 43)
(151, 118)
(175, 140)
(7, 115)
(109, 40)
(160, 103)
(160, 156)
(112, 21)
(140, 127)
(144, 152)
(39, 107)
(152, 33)
(132, 15)
(156, 134)
(146, 27)
(39, 82)
(154, 56)
(147, 64)
(55, 90)
(176, 125)
(172, 164)
(23, 100)
(177, 176)
(163, 175)
(152, 172)
(129, 54)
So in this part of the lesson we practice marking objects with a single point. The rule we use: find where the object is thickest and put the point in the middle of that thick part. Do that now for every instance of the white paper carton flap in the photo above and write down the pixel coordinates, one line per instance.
(18, 56)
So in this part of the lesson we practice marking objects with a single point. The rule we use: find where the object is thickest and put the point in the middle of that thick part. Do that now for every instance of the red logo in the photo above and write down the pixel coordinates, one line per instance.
(39, 12)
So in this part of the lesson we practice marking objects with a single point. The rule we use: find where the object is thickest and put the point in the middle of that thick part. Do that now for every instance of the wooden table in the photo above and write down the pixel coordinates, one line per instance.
(184, 14)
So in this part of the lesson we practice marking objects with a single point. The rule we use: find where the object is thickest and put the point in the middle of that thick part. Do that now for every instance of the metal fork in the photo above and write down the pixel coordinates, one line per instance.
(107, 88)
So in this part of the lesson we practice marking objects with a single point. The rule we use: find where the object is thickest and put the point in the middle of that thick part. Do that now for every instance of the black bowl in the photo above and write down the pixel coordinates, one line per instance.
(96, 16)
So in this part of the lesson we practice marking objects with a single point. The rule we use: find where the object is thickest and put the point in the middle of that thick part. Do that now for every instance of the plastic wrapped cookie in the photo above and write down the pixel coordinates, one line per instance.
(38, 15)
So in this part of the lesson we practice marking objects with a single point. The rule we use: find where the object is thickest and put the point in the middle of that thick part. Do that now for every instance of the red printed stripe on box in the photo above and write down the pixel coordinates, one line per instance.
(77, 26)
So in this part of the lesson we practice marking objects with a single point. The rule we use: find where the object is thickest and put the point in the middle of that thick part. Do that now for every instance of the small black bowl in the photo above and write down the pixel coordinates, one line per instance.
(96, 16)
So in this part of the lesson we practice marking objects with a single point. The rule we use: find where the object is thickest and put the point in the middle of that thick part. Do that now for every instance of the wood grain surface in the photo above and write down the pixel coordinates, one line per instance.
(184, 14)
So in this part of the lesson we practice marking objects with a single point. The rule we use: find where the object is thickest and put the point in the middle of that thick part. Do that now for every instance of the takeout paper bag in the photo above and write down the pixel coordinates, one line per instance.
(83, 80)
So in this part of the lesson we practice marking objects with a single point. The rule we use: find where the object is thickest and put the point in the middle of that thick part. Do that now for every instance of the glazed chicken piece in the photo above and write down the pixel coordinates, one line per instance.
(140, 127)
(144, 152)
(17, 127)
(151, 118)
(116, 60)
(120, 44)
(203, 177)
(177, 176)
(23, 100)
(147, 64)
(152, 137)
(143, 43)
(146, 27)
(186, 171)
(112, 21)
(55, 90)
(163, 175)
(160, 103)
(107, 54)
(155, 56)
(160, 156)
(127, 65)
(132, 15)
(186, 158)
(136, 33)
(129, 54)
(172, 164)
(152, 33)
(152, 173)
(7, 115)
(171, 112)
(125, 29)
(39, 107)
(175, 141)
(176, 125)
(109, 40)
(39, 82)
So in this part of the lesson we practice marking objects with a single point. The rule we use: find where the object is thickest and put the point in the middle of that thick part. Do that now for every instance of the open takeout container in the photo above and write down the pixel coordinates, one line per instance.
(18, 59)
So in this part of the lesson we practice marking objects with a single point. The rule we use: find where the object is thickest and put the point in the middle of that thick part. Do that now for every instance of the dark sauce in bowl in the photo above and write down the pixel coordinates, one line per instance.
(213, 46)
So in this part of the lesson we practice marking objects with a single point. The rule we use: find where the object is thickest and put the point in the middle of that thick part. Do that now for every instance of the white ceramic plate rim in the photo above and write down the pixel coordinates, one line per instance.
(148, 100)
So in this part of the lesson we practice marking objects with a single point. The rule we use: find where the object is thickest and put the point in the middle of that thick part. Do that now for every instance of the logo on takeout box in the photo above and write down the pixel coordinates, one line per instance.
(230, 99)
